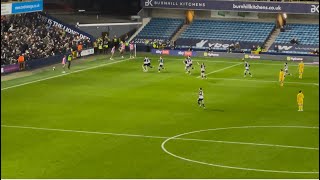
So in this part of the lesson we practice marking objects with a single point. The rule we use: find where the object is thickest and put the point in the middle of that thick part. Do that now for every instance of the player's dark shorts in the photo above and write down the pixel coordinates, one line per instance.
(149, 64)
(160, 65)
(202, 71)
(200, 99)
(190, 65)
(145, 65)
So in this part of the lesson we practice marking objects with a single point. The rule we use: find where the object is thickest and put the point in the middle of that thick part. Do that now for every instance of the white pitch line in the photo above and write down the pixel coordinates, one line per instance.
(246, 143)
(160, 137)
(257, 63)
(52, 77)
(263, 81)
(222, 69)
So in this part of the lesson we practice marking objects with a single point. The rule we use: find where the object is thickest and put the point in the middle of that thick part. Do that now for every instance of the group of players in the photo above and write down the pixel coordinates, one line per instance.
(122, 49)
(189, 66)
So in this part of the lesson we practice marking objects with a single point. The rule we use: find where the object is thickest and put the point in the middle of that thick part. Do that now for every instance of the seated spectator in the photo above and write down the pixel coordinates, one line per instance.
(316, 51)
(237, 46)
(294, 41)
(276, 48)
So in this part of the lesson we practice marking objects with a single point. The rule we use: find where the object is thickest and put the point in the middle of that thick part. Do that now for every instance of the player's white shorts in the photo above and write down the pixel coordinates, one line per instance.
(161, 64)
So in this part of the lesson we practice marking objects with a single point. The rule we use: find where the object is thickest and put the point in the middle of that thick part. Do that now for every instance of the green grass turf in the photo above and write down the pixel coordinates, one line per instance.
(120, 98)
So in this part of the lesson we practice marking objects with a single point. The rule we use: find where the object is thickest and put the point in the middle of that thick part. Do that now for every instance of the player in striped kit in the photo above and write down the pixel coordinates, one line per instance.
(187, 68)
(203, 71)
(146, 64)
(201, 98)
(161, 64)
(113, 50)
(190, 62)
(286, 70)
(247, 69)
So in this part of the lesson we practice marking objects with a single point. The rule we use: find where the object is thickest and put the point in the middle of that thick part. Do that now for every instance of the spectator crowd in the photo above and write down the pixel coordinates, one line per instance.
(27, 35)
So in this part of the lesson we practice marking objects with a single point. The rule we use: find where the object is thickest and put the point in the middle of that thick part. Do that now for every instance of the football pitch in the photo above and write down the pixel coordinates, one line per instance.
(109, 119)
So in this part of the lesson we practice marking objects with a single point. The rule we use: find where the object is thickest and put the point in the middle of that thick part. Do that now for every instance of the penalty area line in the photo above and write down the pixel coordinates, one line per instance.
(228, 67)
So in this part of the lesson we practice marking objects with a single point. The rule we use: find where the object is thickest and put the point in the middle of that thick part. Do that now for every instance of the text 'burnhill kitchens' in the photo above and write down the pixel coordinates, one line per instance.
(188, 4)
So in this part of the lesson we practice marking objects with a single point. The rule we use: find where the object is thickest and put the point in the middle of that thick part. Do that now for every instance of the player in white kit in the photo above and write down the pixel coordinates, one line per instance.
(161, 64)
(247, 69)
(201, 98)
(286, 70)
(113, 50)
(187, 68)
(190, 62)
(203, 71)
(146, 64)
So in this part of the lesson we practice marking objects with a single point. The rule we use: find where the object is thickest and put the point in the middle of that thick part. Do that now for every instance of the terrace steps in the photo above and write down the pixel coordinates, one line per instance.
(272, 39)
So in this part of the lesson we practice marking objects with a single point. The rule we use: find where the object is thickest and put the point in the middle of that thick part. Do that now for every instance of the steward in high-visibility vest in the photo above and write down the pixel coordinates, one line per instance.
(105, 46)
(154, 45)
(100, 47)
(69, 60)
(95, 46)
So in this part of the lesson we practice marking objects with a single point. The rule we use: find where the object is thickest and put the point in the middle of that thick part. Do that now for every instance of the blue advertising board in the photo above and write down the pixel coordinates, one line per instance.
(241, 6)
(214, 44)
(287, 48)
(27, 7)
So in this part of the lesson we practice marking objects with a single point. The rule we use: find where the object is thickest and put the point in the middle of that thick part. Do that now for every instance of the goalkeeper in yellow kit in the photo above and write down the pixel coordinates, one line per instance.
(281, 77)
(301, 68)
(300, 98)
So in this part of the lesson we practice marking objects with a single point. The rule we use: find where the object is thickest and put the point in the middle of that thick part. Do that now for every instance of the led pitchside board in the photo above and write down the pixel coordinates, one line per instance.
(21, 7)
(241, 6)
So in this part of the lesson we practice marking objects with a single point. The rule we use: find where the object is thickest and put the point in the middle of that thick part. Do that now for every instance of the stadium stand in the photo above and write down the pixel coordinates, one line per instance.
(160, 28)
(306, 34)
(228, 31)
(25, 34)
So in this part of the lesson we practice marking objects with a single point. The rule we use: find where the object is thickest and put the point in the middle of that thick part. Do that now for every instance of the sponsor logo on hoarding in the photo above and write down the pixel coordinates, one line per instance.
(188, 53)
(166, 52)
(236, 5)
(252, 56)
(211, 54)
(24, 7)
(158, 52)
(314, 8)
(53, 23)
(294, 58)
(185, 53)
(148, 3)
(6, 8)
(87, 52)
(284, 48)
(202, 43)
(2, 71)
